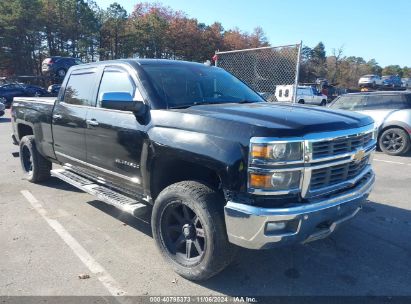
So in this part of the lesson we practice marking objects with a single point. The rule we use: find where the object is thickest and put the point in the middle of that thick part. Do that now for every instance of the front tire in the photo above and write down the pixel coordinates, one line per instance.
(323, 103)
(301, 101)
(35, 167)
(394, 141)
(189, 230)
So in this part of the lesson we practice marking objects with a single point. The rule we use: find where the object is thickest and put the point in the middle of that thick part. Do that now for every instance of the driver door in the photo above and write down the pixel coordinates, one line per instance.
(114, 138)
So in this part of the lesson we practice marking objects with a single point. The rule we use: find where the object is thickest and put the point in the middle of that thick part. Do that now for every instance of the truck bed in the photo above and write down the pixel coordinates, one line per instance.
(34, 113)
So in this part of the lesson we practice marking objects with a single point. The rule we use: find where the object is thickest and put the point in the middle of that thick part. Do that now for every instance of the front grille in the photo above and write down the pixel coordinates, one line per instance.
(340, 145)
(332, 175)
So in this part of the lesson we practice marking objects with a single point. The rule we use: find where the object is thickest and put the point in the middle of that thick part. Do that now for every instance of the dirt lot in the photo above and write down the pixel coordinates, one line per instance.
(52, 233)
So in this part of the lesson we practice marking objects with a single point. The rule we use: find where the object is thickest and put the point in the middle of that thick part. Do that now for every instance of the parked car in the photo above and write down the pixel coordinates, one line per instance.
(305, 95)
(34, 90)
(370, 81)
(406, 83)
(2, 109)
(393, 81)
(58, 65)
(391, 112)
(54, 89)
(217, 164)
(11, 90)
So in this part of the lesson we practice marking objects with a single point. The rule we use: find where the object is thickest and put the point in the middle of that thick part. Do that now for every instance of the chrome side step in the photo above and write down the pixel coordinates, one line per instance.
(104, 194)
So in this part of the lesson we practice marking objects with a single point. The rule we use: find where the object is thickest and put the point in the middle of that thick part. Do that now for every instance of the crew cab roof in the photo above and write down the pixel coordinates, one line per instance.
(140, 62)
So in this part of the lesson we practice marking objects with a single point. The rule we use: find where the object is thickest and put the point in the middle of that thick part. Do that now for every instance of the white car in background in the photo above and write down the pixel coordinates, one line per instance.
(406, 83)
(305, 95)
(370, 81)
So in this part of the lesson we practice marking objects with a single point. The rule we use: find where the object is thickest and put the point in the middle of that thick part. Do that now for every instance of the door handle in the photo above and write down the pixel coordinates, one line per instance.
(57, 116)
(92, 122)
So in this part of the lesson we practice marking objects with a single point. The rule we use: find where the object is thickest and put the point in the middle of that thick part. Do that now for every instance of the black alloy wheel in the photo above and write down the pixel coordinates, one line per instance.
(35, 167)
(27, 160)
(189, 230)
(183, 234)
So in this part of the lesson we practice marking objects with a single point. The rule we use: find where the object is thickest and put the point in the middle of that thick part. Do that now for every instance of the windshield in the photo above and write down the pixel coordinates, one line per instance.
(348, 102)
(187, 85)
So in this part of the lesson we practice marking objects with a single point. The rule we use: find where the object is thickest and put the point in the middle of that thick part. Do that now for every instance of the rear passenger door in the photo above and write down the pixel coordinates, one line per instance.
(69, 116)
(114, 138)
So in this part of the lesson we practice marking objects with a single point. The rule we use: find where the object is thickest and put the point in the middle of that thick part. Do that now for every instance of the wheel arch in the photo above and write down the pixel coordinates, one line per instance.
(24, 130)
(174, 155)
(394, 124)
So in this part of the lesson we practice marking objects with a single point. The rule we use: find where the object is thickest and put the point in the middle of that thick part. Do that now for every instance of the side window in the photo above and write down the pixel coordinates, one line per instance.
(381, 102)
(280, 93)
(79, 89)
(287, 92)
(116, 81)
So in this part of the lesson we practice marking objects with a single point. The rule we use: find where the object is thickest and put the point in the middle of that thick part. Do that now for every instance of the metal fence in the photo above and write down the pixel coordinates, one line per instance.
(263, 69)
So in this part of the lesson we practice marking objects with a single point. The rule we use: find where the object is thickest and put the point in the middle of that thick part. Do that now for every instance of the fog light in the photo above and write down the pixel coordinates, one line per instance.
(275, 226)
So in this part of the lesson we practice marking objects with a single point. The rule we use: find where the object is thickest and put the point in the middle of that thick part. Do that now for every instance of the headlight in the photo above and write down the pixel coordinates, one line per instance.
(276, 181)
(277, 152)
(375, 134)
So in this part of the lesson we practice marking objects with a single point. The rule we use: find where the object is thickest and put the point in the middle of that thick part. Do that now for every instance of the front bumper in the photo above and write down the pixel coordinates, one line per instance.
(252, 227)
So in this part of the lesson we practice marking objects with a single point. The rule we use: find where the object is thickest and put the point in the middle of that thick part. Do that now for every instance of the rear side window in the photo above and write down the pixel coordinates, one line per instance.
(79, 89)
(349, 102)
(385, 102)
(115, 81)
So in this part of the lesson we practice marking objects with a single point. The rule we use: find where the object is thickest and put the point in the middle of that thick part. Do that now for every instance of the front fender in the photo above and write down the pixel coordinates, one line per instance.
(225, 157)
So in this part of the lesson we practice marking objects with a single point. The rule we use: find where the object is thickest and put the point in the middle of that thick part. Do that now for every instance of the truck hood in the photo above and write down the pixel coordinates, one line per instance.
(284, 119)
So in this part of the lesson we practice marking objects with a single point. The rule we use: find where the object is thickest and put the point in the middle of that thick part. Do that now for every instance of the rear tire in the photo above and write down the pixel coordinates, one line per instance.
(35, 167)
(323, 103)
(189, 230)
(301, 101)
(394, 141)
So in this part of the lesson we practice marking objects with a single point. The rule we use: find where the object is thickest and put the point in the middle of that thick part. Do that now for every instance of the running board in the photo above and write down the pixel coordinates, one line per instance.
(104, 194)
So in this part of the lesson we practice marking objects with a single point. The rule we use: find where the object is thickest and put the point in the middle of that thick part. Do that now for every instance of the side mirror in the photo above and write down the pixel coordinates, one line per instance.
(121, 101)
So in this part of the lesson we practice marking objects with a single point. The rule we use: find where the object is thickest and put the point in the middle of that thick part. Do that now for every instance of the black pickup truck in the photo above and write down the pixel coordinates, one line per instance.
(218, 166)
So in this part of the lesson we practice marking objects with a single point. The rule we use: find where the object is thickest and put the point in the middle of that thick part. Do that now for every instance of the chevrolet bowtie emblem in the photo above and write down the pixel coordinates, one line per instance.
(358, 156)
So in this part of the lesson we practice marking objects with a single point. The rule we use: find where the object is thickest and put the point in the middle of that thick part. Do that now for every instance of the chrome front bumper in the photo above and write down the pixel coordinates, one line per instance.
(262, 228)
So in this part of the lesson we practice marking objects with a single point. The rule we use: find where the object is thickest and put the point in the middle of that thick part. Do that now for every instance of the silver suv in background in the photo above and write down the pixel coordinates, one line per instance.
(406, 83)
(391, 112)
(370, 81)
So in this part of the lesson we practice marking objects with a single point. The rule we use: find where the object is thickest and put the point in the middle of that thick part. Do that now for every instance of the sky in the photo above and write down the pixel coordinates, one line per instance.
(379, 29)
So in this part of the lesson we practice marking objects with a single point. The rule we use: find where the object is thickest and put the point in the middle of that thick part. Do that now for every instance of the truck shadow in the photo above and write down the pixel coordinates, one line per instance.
(54, 182)
(368, 256)
(140, 223)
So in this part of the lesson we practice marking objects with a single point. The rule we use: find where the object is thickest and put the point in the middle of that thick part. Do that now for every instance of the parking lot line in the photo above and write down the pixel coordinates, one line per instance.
(391, 162)
(102, 275)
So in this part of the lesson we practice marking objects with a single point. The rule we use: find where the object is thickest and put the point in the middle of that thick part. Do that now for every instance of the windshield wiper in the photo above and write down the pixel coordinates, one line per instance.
(197, 103)
(247, 101)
